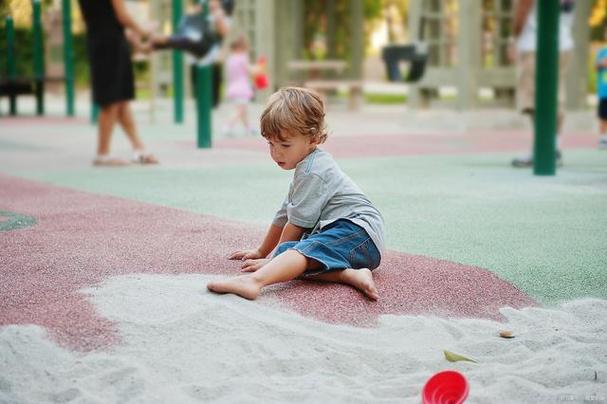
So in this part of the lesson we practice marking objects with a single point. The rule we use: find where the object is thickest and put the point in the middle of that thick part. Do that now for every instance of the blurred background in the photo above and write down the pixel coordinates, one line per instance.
(465, 44)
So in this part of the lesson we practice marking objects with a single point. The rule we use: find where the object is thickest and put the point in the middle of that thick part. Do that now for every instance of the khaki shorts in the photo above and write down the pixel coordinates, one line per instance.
(525, 81)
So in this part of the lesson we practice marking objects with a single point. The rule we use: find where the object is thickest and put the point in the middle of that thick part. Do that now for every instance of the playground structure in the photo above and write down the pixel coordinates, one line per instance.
(454, 43)
(13, 84)
(467, 50)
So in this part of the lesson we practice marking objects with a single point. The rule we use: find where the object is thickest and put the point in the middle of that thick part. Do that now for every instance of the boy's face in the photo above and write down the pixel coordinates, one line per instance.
(288, 153)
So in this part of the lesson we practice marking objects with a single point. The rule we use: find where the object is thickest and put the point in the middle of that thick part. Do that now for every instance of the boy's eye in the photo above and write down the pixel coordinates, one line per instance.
(285, 145)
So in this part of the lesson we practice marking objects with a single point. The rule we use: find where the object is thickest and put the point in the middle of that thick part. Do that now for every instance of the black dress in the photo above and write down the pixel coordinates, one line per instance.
(109, 54)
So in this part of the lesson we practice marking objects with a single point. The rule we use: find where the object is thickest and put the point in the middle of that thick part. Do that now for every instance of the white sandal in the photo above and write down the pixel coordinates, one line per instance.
(109, 161)
(140, 157)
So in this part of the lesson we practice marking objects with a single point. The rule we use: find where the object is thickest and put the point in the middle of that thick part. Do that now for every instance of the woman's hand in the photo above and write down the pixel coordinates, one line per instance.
(246, 254)
(252, 265)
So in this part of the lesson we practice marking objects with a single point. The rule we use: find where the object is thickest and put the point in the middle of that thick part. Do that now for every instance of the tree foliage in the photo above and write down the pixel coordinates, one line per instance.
(316, 18)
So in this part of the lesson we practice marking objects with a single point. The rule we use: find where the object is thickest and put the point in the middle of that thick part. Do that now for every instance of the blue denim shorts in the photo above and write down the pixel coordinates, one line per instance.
(340, 245)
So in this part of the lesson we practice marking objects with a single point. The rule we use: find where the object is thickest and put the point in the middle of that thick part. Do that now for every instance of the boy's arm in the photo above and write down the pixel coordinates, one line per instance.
(291, 233)
(271, 240)
(277, 235)
(267, 245)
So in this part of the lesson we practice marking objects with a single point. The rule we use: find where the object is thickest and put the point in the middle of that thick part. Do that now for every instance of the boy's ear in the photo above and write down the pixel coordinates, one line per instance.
(315, 140)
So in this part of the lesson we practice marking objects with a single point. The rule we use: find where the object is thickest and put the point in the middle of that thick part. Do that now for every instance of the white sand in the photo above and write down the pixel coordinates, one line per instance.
(181, 344)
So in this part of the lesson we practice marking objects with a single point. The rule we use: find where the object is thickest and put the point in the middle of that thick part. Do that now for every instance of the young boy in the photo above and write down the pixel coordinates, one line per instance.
(326, 228)
(601, 89)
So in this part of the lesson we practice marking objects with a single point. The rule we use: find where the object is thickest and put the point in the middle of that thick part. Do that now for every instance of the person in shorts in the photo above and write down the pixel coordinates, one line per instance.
(326, 228)
(525, 27)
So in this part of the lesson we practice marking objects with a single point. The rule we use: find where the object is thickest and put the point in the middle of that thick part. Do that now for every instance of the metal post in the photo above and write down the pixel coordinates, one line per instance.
(546, 79)
(204, 96)
(177, 66)
(94, 112)
(38, 57)
(11, 64)
(68, 56)
(357, 42)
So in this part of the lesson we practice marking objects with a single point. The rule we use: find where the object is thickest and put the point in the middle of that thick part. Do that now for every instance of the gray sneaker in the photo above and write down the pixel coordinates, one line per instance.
(527, 161)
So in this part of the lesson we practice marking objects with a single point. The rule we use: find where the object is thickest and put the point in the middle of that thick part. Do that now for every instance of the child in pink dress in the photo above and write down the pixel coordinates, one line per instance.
(239, 88)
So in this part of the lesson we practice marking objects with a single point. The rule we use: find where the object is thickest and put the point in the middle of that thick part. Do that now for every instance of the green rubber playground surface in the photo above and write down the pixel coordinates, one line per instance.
(545, 235)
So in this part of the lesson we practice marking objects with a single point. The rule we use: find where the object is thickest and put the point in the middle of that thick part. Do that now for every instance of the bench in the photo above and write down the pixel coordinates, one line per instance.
(14, 87)
(353, 87)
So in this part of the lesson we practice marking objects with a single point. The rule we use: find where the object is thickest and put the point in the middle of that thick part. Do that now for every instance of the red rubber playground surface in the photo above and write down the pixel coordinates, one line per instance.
(79, 239)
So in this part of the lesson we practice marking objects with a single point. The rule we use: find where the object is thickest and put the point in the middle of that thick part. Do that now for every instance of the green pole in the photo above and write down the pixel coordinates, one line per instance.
(546, 79)
(38, 57)
(94, 112)
(204, 96)
(11, 64)
(68, 56)
(204, 78)
(177, 67)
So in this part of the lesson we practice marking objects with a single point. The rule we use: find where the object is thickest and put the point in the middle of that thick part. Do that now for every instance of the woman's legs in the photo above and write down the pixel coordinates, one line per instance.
(108, 115)
(107, 118)
(127, 122)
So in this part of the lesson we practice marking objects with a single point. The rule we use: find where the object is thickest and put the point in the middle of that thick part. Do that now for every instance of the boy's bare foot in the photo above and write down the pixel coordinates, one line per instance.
(361, 279)
(243, 286)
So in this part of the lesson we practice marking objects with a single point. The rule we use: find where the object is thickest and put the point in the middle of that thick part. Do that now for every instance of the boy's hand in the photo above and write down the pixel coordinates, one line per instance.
(253, 265)
(245, 254)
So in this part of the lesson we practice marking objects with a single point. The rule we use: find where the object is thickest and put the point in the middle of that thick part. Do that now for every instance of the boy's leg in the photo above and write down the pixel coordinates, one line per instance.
(284, 267)
(361, 279)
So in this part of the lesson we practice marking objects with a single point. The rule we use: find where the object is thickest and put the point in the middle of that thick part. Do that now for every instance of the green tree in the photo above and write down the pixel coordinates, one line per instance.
(316, 29)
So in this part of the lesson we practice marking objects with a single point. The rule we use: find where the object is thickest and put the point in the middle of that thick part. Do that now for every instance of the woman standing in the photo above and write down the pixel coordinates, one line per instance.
(112, 77)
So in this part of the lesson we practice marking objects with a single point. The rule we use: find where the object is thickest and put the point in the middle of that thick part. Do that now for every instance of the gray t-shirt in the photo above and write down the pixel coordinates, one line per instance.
(321, 193)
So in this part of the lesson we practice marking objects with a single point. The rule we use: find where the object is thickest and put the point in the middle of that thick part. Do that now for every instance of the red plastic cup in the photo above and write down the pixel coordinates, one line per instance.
(446, 387)
(261, 81)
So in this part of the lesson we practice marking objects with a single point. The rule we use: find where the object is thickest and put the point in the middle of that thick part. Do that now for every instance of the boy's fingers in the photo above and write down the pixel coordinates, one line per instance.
(249, 268)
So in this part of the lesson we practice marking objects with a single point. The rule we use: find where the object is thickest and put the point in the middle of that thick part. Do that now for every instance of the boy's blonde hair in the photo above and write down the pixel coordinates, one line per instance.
(294, 110)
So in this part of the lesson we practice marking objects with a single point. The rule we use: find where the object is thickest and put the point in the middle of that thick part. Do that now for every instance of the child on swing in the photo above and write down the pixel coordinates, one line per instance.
(326, 228)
